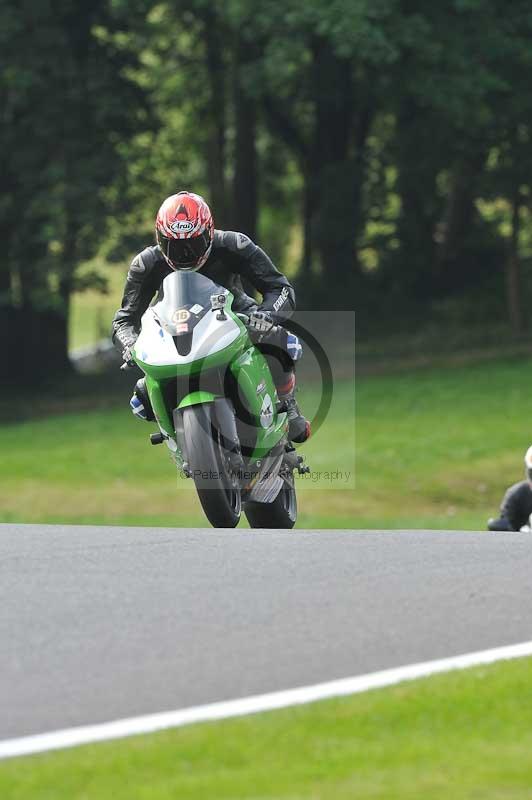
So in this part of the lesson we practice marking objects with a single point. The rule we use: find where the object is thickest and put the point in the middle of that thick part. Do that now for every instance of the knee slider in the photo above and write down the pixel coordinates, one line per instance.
(293, 346)
(140, 402)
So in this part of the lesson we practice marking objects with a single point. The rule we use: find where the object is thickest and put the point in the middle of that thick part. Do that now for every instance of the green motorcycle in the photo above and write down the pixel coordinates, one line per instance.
(216, 405)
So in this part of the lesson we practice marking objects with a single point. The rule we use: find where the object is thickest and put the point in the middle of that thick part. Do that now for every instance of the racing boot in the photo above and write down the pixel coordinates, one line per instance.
(500, 524)
(298, 425)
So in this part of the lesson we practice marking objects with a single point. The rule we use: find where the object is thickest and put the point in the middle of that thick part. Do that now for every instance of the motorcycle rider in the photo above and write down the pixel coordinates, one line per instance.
(516, 506)
(187, 240)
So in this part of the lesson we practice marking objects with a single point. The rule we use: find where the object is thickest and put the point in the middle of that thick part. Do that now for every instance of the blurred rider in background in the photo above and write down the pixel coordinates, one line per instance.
(187, 240)
(516, 506)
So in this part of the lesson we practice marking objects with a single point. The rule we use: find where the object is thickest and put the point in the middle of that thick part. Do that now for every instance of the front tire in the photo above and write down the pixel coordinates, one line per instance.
(217, 487)
(282, 513)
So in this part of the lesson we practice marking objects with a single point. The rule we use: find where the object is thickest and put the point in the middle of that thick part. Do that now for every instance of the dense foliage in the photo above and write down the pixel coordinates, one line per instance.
(379, 149)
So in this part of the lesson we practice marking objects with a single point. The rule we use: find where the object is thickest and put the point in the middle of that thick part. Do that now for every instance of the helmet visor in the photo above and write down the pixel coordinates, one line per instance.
(184, 253)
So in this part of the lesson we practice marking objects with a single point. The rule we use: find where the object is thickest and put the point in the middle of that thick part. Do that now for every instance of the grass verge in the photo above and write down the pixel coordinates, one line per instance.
(98, 467)
(465, 735)
(434, 448)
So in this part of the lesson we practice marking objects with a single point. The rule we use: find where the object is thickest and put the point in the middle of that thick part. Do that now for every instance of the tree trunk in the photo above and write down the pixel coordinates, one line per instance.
(283, 124)
(337, 179)
(416, 186)
(332, 163)
(245, 182)
(452, 267)
(5, 281)
(513, 270)
(215, 118)
(7, 226)
(308, 211)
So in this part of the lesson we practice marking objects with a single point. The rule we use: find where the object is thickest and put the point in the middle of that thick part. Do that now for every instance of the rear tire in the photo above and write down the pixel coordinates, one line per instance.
(282, 513)
(217, 487)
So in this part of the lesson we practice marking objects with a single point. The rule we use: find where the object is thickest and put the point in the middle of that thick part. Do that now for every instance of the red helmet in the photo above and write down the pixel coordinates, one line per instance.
(185, 230)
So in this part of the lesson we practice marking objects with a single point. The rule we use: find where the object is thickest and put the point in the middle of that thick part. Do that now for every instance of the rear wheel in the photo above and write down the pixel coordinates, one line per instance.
(282, 513)
(216, 484)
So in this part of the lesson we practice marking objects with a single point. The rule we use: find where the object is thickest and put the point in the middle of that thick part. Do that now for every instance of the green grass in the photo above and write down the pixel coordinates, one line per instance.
(461, 736)
(98, 467)
(434, 448)
(449, 440)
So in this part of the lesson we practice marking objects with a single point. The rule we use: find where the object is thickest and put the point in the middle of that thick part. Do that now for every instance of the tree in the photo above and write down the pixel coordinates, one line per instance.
(60, 142)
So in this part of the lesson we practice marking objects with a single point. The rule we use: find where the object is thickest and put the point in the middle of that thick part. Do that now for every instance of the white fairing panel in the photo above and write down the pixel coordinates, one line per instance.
(156, 347)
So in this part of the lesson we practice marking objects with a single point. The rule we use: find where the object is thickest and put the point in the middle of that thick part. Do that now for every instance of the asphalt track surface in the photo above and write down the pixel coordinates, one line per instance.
(99, 623)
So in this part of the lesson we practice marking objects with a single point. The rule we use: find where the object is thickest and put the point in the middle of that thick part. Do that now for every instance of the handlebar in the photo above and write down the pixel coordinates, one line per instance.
(245, 319)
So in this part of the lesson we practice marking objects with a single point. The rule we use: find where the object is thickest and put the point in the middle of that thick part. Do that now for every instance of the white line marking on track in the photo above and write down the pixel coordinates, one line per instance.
(150, 723)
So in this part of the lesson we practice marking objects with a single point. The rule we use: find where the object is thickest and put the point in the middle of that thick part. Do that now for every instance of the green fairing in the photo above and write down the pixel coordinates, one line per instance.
(195, 398)
(251, 370)
(159, 407)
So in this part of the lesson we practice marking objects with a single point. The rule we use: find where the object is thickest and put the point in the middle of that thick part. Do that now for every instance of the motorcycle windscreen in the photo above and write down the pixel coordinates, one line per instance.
(183, 299)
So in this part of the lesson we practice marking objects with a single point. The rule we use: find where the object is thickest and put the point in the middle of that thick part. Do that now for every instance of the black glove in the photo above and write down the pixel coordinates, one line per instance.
(127, 357)
(260, 321)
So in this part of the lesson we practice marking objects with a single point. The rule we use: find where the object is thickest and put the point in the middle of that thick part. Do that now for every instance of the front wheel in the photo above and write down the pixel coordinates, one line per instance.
(217, 486)
(282, 513)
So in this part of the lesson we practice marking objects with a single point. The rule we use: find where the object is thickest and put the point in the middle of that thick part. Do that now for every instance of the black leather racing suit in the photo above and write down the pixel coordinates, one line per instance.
(516, 507)
(233, 257)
